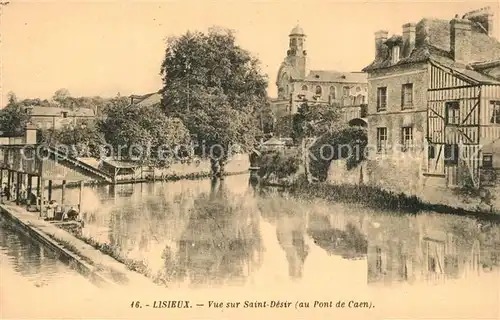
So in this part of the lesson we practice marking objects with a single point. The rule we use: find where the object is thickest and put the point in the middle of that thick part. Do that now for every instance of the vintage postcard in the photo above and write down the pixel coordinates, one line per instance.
(192, 159)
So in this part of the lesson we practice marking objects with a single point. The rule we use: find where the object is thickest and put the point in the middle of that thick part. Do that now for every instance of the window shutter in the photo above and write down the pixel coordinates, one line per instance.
(402, 96)
(378, 99)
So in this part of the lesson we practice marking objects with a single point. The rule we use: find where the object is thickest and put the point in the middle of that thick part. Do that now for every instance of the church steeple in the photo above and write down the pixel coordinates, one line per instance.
(296, 54)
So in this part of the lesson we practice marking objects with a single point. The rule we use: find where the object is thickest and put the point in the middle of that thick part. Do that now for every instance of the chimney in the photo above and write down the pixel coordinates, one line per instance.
(380, 37)
(460, 33)
(483, 20)
(409, 37)
(31, 134)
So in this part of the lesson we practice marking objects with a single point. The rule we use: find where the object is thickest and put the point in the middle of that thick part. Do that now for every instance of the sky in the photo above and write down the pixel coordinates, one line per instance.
(102, 47)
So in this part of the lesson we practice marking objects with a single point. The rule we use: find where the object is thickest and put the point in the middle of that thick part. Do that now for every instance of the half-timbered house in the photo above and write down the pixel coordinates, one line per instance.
(434, 91)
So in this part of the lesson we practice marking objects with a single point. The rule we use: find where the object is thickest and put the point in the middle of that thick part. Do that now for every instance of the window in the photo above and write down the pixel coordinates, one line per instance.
(346, 91)
(495, 112)
(64, 114)
(395, 54)
(358, 100)
(381, 140)
(406, 138)
(318, 90)
(381, 99)
(451, 154)
(431, 152)
(487, 161)
(304, 88)
(332, 92)
(407, 96)
(452, 112)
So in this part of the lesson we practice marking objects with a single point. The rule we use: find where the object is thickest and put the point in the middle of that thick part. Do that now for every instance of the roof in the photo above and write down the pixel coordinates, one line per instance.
(433, 43)
(57, 112)
(337, 76)
(147, 99)
(297, 31)
(121, 163)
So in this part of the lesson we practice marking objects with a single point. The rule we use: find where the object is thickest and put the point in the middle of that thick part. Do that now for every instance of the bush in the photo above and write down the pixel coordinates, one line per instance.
(278, 165)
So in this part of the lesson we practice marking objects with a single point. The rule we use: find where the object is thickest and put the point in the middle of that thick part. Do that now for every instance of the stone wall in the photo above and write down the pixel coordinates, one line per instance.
(406, 175)
(338, 173)
(237, 164)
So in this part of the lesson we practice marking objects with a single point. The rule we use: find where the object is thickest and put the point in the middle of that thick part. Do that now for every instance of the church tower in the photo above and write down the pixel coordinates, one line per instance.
(296, 54)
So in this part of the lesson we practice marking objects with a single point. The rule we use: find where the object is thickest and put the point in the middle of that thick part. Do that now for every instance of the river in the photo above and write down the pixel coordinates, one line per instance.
(196, 235)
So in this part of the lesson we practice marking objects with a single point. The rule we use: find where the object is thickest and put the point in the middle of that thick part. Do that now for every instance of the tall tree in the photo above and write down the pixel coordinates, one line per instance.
(216, 88)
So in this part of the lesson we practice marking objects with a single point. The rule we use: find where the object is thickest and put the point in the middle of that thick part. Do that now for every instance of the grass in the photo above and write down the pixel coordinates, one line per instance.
(377, 198)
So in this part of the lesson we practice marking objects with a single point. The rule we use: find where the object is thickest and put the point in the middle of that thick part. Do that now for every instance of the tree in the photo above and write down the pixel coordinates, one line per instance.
(283, 127)
(61, 95)
(309, 123)
(217, 89)
(81, 140)
(314, 121)
(144, 133)
(12, 98)
(13, 118)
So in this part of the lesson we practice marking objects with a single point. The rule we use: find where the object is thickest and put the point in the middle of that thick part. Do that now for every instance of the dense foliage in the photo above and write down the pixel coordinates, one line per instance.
(144, 133)
(345, 143)
(13, 119)
(278, 165)
(314, 121)
(82, 140)
(216, 88)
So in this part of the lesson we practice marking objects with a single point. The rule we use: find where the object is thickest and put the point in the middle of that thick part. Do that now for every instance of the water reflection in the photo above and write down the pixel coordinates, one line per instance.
(430, 248)
(212, 233)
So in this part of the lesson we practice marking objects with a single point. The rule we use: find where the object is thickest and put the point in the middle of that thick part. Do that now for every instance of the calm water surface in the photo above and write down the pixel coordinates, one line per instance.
(230, 241)
(196, 234)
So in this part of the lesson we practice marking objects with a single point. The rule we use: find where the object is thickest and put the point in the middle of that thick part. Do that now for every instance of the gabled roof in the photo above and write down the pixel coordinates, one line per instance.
(337, 76)
(433, 43)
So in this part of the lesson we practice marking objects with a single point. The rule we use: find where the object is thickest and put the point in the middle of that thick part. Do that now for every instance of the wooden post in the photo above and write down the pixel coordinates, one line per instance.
(63, 189)
(1, 178)
(29, 189)
(41, 193)
(49, 198)
(19, 180)
(80, 197)
(9, 179)
(38, 187)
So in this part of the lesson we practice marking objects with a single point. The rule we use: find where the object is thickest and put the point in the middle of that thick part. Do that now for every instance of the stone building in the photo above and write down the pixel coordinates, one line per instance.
(433, 101)
(296, 84)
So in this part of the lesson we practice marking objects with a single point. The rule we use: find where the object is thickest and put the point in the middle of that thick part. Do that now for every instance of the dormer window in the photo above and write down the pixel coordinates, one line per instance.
(395, 54)
(317, 76)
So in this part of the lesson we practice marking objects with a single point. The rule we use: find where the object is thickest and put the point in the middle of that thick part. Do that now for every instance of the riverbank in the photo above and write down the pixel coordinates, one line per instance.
(101, 269)
(377, 198)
